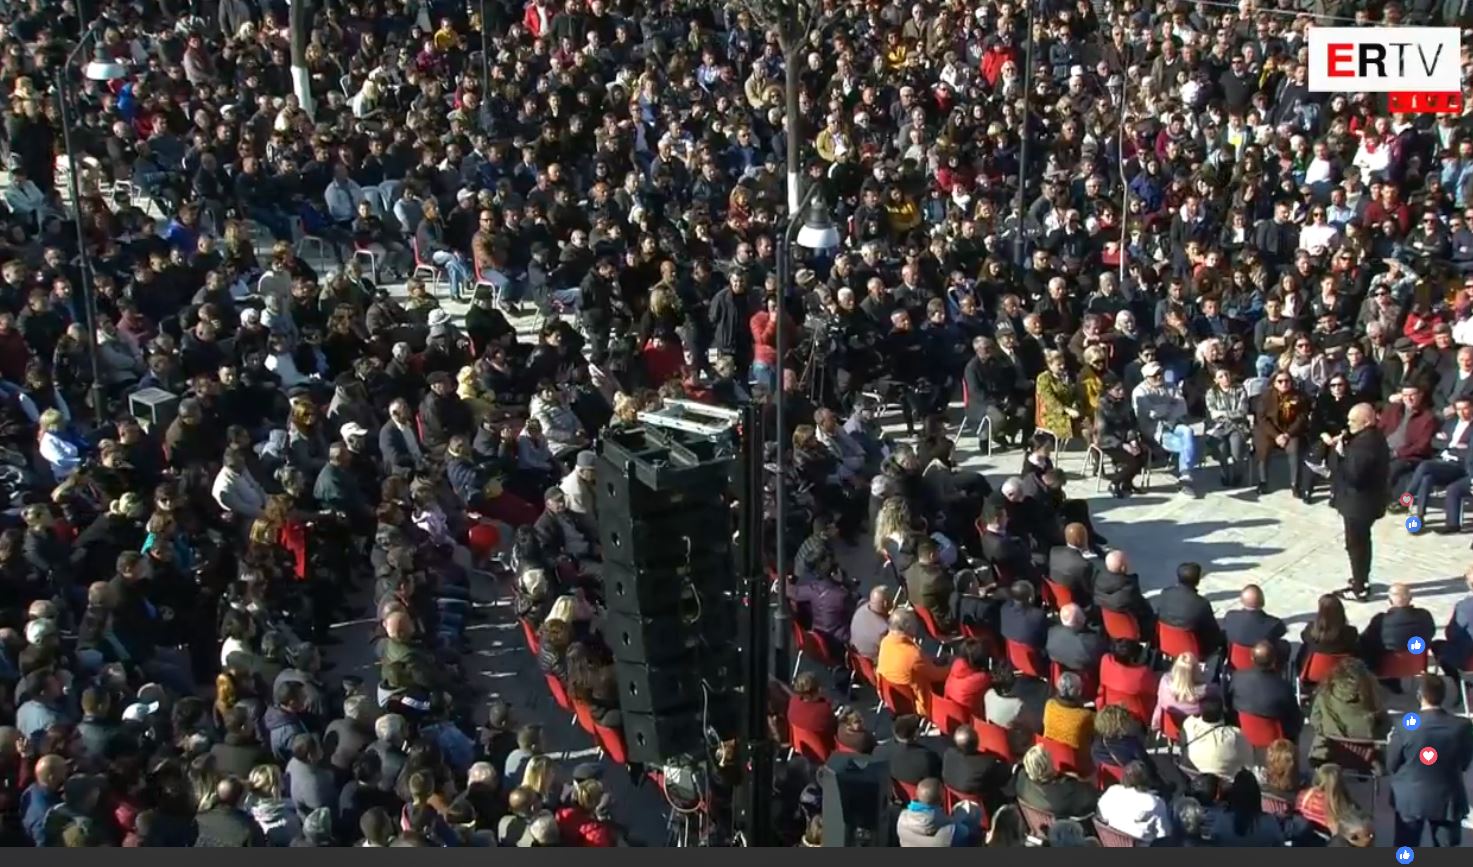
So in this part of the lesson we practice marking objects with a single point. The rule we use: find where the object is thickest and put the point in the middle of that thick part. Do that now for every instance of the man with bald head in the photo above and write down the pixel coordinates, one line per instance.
(41, 796)
(1391, 629)
(1249, 624)
(1072, 565)
(1263, 691)
(1072, 644)
(1117, 588)
(870, 623)
(1362, 490)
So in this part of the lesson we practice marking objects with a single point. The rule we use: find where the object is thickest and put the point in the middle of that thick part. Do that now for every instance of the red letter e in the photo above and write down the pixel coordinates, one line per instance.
(1340, 60)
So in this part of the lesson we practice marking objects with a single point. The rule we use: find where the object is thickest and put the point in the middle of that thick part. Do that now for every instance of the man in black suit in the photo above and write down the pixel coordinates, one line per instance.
(1263, 691)
(1430, 794)
(969, 772)
(1453, 385)
(1183, 607)
(1450, 467)
(910, 760)
(1007, 553)
(1072, 565)
(1249, 624)
(1361, 491)
(1119, 589)
(1072, 644)
(1391, 629)
(1023, 621)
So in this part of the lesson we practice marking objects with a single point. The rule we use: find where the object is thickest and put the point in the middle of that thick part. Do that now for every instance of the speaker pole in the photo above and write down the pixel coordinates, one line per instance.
(755, 803)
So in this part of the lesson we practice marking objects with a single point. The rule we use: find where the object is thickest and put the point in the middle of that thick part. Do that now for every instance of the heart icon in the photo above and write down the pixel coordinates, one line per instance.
(1428, 756)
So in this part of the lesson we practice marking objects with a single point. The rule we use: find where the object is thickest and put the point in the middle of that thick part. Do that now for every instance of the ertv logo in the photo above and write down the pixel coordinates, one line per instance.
(1418, 68)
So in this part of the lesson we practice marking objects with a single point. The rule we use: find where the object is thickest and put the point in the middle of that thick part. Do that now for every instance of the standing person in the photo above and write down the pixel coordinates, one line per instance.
(1424, 793)
(1361, 491)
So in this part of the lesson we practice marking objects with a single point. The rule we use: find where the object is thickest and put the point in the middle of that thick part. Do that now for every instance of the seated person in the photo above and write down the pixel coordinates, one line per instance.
(1133, 807)
(1065, 718)
(1021, 618)
(1119, 589)
(969, 772)
(1212, 744)
(902, 663)
(853, 735)
(968, 679)
(929, 584)
(1120, 741)
(1185, 608)
(1072, 645)
(910, 760)
(1262, 691)
(1039, 785)
(1390, 630)
(565, 535)
(808, 709)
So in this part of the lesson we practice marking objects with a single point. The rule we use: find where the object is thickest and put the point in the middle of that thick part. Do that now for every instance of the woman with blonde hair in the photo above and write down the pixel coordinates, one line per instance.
(1326, 799)
(277, 816)
(893, 530)
(60, 453)
(540, 775)
(469, 389)
(1181, 691)
(1058, 399)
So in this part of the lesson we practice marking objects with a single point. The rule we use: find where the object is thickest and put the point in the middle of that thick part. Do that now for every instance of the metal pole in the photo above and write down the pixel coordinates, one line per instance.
(1020, 241)
(485, 53)
(74, 189)
(792, 43)
(1124, 185)
(755, 812)
(781, 616)
(299, 29)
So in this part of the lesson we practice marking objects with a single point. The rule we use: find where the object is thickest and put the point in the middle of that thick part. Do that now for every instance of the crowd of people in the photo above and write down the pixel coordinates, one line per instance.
(1156, 244)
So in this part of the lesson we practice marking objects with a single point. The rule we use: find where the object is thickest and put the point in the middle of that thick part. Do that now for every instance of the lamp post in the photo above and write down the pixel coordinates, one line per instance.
(809, 226)
(1020, 241)
(100, 68)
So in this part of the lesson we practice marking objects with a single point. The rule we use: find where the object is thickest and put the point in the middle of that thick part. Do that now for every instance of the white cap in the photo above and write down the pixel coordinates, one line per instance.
(352, 429)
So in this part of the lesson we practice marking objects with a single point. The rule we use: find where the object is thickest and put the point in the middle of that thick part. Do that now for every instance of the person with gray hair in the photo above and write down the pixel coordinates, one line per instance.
(348, 736)
(1039, 785)
(1065, 718)
(391, 730)
(871, 622)
(1073, 644)
(543, 831)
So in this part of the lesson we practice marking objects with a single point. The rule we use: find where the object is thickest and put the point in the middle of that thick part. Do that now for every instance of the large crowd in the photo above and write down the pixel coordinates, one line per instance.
(1155, 245)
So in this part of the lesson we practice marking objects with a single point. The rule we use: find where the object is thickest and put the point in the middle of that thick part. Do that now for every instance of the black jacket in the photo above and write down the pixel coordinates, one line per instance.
(1118, 591)
(1024, 625)
(1435, 791)
(1362, 486)
(1266, 694)
(227, 827)
(910, 763)
(1185, 608)
(979, 774)
(1074, 572)
(1247, 628)
(1076, 651)
(1391, 629)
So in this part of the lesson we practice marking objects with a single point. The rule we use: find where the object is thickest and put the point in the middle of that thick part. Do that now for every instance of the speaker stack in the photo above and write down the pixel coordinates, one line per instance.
(669, 583)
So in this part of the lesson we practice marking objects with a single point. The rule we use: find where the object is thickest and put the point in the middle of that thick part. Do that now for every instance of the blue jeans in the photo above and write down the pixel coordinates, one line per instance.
(1181, 442)
(455, 270)
(763, 374)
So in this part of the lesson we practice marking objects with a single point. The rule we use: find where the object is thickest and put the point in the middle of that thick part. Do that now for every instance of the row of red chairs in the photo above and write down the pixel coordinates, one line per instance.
(609, 741)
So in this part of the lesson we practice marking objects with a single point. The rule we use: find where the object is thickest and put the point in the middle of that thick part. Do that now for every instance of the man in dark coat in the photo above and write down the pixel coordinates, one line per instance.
(1023, 621)
(443, 414)
(226, 824)
(910, 760)
(337, 488)
(1263, 691)
(1183, 607)
(1391, 629)
(1430, 794)
(965, 770)
(1072, 645)
(1361, 491)
(1119, 589)
(1249, 624)
(1072, 566)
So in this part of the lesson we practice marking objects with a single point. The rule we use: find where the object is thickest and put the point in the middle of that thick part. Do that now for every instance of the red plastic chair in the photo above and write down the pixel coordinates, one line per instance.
(1038, 821)
(1260, 731)
(529, 633)
(993, 738)
(1240, 657)
(928, 622)
(584, 715)
(1317, 670)
(1174, 641)
(1171, 722)
(1118, 685)
(1277, 807)
(806, 641)
(1121, 625)
(1027, 660)
(1111, 838)
(988, 638)
(899, 700)
(904, 792)
(809, 744)
(863, 667)
(1399, 664)
(559, 692)
(1056, 594)
(1107, 776)
(952, 799)
(946, 714)
(611, 741)
(425, 268)
(1066, 758)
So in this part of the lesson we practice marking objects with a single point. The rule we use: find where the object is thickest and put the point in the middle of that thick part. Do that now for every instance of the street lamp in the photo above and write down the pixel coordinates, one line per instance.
(811, 227)
(101, 68)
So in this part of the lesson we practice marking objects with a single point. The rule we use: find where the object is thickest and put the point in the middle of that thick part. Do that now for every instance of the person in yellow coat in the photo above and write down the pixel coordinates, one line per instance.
(901, 212)
(1058, 399)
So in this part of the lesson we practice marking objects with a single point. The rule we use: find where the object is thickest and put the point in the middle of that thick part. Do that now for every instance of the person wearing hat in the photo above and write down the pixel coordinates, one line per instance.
(563, 533)
(1162, 414)
(578, 486)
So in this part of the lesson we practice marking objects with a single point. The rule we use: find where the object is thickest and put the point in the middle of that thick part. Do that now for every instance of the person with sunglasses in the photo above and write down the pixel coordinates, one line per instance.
(1281, 420)
(1327, 422)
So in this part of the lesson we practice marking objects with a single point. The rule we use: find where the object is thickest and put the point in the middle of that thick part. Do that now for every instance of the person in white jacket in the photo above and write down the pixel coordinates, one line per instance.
(1132, 808)
(1162, 414)
(23, 197)
(236, 490)
(61, 454)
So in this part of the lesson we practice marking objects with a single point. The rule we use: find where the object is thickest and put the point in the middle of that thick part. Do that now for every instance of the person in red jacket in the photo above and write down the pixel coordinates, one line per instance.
(808, 709)
(583, 821)
(969, 679)
(1409, 425)
(663, 358)
(764, 341)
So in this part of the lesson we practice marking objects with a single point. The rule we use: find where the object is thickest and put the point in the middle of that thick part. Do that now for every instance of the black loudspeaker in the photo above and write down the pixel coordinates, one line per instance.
(637, 639)
(665, 590)
(658, 688)
(856, 801)
(700, 530)
(652, 738)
